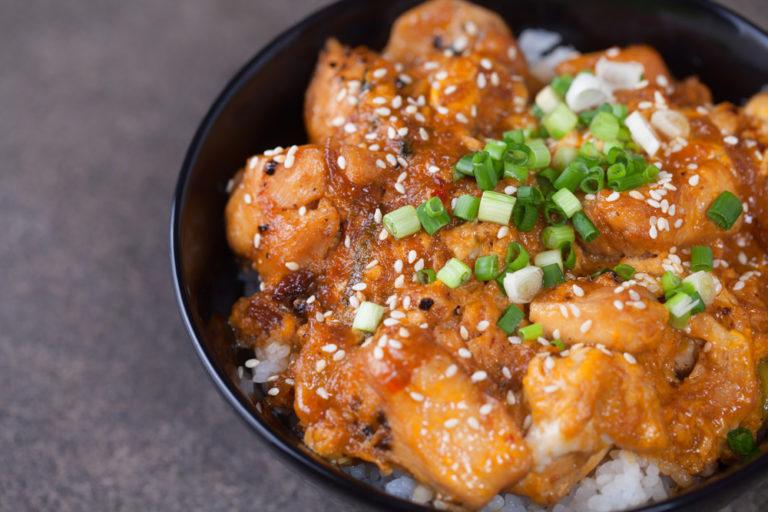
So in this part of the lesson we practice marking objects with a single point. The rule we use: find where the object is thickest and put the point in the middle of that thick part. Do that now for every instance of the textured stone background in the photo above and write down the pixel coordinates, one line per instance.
(103, 405)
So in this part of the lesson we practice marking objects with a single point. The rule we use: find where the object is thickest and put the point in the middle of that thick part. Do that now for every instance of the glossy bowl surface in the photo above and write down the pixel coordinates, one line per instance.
(261, 107)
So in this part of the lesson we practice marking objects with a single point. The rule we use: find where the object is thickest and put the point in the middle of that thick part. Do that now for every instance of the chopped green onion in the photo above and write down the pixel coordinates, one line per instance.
(725, 210)
(604, 126)
(495, 148)
(464, 165)
(571, 176)
(619, 110)
(762, 373)
(368, 317)
(484, 172)
(741, 442)
(531, 332)
(513, 170)
(426, 276)
(564, 156)
(540, 155)
(669, 283)
(594, 181)
(589, 151)
(553, 214)
(529, 195)
(553, 275)
(680, 307)
(454, 273)
(521, 286)
(650, 173)
(402, 222)
(495, 207)
(432, 215)
(701, 258)
(560, 121)
(552, 257)
(584, 227)
(558, 344)
(486, 267)
(516, 258)
(524, 216)
(555, 237)
(561, 84)
(466, 207)
(627, 182)
(704, 284)
(514, 137)
(567, 202)
(510, 319)
(624, 271)
(569, 250)
(616, 171)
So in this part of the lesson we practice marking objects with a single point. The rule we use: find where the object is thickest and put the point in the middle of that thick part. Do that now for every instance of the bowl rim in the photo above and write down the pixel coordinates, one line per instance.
(348, 485)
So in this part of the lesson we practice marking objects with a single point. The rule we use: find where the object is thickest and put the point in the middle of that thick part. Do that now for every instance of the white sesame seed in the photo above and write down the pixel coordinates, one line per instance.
(320, 365)
(481, 81)
(417, 396)
(506, 372)
(510, 189)
(451, 423)
(371, 264)
(380, 73)
(577, 290)
(479, 376)
(302, 211)
(383, 234)
(514, 340)
(273, 392)
(341, 162)
(252, 363)
(511, 398)
(731, 140)
(350, 128)
(482, 325)
(503, 231)
(322, 393)
(411, 256)
(549, 363)
(247, 198)
(399, 281)
(460, 117)
(630, 358)
(389, 322)
(463, 332)
(464, 353)
(612, 197)
(585, 326)
(423, 134)
(451, 370)
(359, 287)
(292, 265)
(551, 388)
(693, 180)
(378, 353)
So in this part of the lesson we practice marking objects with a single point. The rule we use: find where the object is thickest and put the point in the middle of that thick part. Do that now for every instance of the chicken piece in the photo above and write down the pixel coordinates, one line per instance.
(581, 404)
(456, 26)
(258, 319)
(341, 415)
(586, 312)
(636, 227)
(444, 429)
(653, 64)
(274, 203)
(720, 392)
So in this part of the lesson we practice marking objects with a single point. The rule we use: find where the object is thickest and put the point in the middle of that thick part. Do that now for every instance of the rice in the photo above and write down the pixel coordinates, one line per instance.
(624, 480)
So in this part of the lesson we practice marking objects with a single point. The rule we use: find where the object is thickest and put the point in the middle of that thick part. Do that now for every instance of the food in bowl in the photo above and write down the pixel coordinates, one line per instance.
(508, 285)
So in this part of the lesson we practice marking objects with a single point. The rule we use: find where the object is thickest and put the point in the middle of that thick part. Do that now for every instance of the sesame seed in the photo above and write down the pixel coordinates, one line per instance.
(506, 372)
(380, 73)
(464, 353)
(618, 305)
(564, 310)
(630, 358)
(636, 195)
(482, 325)
(423, 134)
(472, 422)
(371, 264)
(549, 363)
(322, 393)
(551, 388)
(378, 353)
(394, 343)
(481, 81)
(320, 365)
(359, 287)
(292, 265)
(693, 180)
(400, 281)
(329, 348)
(510, 189)
(451, 370)
(256, 240)
(464, 333)
(397, 314)
(731, 140)
(377, 216)
(462, 118)
(612, 197)
(252, 363)
(451, 423)
(302, 211)
(417, 396)
(514, 340)
(585, 326)
(383, 234)
(575, 310)
(389, 322)
(577, 290)
(479, 376)
(342, 162)
(247, 198)
(511, 398)
(350, 128)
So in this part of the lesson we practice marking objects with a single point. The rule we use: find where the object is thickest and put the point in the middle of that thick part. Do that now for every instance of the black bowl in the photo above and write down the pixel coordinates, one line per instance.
(261, 107)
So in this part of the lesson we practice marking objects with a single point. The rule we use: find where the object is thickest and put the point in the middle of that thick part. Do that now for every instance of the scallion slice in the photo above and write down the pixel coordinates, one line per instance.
(466, 207)
(567, 202)
(495, 148)
(540, 155)
(704, 284)
(560, 84)
(560, 121)
(531, 332)
(564, 155)
(604, 126)
(454, 273)
(569, 251)
(464, 165)
(486, 267)
(402, 222)
(432, 215)
(516, 258)
(624, 271)
(514, 136)
(594, 181)
(555, 237)
(669, 283)
(426, 276)
(701, 258)
(521, 286)
(484, 172)
(680, 307)
(553, 275)
(368, 317)
(584, 227)
(725, 210)
(571, 176)
(742, 442)
(554, 215)
(495, 207)
(524, 216)
(510, 319)
(552, 257)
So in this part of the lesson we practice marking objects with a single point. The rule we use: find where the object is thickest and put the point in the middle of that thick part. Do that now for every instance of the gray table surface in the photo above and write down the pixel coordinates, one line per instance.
(103, 404)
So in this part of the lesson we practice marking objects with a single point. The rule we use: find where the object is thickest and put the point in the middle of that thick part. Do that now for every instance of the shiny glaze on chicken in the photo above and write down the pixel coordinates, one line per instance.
(438, 389)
